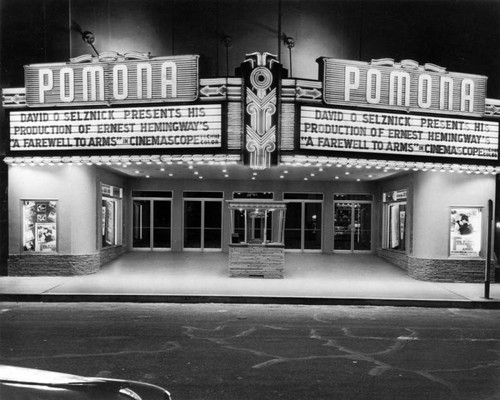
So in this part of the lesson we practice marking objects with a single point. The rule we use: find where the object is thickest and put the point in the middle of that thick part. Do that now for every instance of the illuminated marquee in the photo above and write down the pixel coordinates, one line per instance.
(405, 86)
(329, 129)
(117, 128)
(162, 79)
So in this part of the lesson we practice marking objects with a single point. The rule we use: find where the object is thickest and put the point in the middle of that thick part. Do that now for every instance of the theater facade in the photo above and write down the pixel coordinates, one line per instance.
(122, 153)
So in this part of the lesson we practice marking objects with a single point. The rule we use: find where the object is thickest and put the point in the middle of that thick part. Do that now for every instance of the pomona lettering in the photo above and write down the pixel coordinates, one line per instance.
(405, 86)
(93, 83)
(400, 83)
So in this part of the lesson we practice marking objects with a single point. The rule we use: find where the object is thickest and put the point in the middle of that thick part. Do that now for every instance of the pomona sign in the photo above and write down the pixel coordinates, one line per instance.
(162, 79)
(404, 86)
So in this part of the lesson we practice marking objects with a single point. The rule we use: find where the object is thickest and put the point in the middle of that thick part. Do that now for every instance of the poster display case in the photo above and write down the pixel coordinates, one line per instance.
(465, 231)
(39, 225)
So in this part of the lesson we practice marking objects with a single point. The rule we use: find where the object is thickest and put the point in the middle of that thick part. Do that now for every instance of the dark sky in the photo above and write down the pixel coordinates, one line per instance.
(463, 36)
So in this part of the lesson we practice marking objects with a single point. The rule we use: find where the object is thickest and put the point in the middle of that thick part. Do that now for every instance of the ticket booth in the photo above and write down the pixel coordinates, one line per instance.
(257, 248)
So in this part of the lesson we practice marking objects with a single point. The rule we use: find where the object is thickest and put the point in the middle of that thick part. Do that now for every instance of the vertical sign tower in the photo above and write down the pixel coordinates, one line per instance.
(261, 77)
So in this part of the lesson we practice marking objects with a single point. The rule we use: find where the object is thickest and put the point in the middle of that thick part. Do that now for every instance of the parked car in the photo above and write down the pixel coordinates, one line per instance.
(17, 383)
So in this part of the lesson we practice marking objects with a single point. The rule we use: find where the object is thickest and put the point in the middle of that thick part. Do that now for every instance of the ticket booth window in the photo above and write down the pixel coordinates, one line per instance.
(257, 223)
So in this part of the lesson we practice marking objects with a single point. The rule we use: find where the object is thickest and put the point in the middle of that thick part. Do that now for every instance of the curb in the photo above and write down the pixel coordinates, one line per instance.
(203, 299)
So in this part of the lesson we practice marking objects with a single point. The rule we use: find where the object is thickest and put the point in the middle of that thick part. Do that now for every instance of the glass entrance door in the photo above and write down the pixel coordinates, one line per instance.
(202, 224)
(352, 226)
(303, 226)
(152, 224)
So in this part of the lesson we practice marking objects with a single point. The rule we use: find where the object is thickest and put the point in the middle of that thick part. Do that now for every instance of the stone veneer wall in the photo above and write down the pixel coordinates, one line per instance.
(256, 261)
(439, 270)
(395, 257)
(60, 264)
(110, 253)
(53, 264)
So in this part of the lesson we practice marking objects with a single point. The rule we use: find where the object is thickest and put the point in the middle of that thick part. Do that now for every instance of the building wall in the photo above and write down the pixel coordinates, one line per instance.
(434, 193)
(430, 196)
(74, 187)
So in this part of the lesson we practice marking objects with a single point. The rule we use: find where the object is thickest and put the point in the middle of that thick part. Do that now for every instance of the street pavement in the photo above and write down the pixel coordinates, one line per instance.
(339, 279)
(264, 351)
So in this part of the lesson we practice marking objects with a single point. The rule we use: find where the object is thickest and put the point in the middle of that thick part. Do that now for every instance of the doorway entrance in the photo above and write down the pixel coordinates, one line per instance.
(202, 221)
(352, 223)
(303, 223)
(152, 224)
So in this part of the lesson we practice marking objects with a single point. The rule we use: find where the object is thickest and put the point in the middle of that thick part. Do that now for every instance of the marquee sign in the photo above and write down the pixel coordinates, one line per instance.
(329, 129)
(162, 79)
(117, 128)
(404, 86)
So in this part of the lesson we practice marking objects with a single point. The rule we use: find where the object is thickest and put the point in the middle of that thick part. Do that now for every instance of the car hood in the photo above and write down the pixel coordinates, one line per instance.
(39, 377)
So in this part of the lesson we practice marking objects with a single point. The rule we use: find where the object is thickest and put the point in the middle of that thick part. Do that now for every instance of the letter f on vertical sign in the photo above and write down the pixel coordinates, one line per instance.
(351, 81)
(46, 80)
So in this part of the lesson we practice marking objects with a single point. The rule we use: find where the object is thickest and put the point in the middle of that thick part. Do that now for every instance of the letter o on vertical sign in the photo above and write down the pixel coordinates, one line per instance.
(120, 81)
(67, 87)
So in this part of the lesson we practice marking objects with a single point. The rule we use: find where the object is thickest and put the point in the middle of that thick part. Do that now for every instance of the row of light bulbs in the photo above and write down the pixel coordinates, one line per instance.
(125, 161)
(320, 162)
(223, 159)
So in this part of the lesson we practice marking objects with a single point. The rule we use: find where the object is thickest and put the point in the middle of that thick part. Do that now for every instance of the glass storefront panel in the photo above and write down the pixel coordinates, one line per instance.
(162, 224)
(352, 226)
(363, 227)
(293, 226)
(152, 224)
(312, 232)
(342, 226)
(203, 223)
(303, 225)
(212, 226)
(141, 224)
(192, 223)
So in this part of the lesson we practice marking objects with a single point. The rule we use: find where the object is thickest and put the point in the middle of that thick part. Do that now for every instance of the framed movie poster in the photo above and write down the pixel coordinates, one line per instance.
(465, 231)
(40, 225)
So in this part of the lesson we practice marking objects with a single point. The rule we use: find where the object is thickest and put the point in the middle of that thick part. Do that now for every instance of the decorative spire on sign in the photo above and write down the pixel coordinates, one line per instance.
(261, 76)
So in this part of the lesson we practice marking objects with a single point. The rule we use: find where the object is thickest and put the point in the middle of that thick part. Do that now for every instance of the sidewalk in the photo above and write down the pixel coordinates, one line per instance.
(339, 279)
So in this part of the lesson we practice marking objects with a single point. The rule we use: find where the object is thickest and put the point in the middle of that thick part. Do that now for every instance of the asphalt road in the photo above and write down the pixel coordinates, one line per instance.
(260, 352)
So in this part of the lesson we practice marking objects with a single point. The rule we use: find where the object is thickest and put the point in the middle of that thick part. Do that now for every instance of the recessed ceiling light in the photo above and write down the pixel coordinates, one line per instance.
(282, 176)
(196, 172)
(336, 177)
(347, 173)
(162, 169)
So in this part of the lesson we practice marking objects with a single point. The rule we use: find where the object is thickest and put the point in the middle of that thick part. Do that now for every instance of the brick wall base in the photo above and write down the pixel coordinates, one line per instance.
(256, 261)
(439, 270)
(110, 253)
(53, 264)
(61, 264)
